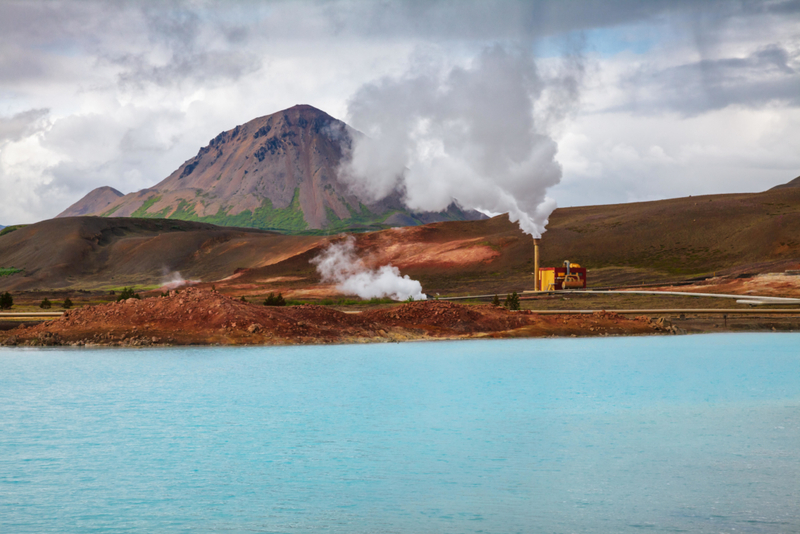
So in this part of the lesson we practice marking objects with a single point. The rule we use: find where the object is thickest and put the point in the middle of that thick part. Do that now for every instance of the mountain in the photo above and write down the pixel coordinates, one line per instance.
(275, 172)
(96, 201)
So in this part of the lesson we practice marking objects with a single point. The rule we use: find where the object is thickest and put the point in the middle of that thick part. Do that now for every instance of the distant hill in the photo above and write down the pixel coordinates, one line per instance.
(793, 183)
(96, 201)
(276, 172)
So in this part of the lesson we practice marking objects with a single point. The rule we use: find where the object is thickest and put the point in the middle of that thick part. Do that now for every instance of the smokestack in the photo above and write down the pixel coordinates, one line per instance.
(536, 282)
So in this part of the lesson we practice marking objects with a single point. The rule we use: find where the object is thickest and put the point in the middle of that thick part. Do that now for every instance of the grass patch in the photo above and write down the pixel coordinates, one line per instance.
(110, 212)
(267, 217)
(142, 210)
(9, 229)
(8, 271)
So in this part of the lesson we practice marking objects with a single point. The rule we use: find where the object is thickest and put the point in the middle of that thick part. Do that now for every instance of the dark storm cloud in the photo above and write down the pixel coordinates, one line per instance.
(761, 78)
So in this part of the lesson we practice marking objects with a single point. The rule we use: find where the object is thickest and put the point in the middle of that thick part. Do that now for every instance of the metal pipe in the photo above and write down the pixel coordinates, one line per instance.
(536, 283)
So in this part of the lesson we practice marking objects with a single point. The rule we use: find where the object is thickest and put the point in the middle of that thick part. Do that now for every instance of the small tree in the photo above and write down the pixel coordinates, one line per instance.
(67, 304)
(6, 301)
(45, 304)
(127, 293)
(496, 301)
(243, 299)
(273, 300)
(512, 301)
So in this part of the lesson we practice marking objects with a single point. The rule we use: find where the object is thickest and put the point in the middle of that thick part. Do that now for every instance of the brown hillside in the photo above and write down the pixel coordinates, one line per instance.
(96, 252)
(642, 242)
(647, 242)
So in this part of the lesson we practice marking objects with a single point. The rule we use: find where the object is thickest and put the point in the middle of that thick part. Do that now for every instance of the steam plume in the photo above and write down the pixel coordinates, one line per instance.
(468, 134)
(339, 263)
(174, 280)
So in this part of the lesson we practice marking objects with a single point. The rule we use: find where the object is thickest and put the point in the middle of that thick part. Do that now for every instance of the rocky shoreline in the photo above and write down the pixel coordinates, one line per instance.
(203, 317)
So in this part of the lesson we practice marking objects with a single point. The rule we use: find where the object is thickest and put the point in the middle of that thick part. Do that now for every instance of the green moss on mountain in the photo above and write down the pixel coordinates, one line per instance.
(142, 212)
(288, 219)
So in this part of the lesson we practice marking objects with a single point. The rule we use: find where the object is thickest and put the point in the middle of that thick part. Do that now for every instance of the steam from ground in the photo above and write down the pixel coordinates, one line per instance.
(472, 134)
(339, 264)
(174, 280)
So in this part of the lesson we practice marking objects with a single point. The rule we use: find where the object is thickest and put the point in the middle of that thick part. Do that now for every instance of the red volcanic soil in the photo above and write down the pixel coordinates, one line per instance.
(199, 317)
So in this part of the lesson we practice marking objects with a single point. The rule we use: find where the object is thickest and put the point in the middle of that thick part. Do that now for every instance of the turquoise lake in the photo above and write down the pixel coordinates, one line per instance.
(644, 434)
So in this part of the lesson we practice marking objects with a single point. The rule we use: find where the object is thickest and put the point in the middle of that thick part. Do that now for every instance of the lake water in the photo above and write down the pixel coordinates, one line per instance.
(647, 434)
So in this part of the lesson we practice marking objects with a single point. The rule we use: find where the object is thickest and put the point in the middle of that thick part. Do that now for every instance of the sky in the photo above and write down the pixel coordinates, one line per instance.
(642, 100)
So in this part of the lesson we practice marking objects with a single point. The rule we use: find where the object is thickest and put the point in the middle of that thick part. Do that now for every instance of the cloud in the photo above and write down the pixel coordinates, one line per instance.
(134, 88)
(768, 75)
(22, 124)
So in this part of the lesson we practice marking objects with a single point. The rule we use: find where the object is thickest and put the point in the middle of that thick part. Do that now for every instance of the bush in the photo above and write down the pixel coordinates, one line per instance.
(512, 301)
(273, 300)
(67, 304)
(127, 293)
(6, 301)
(45, 304)
(243, 299)
(496, 301)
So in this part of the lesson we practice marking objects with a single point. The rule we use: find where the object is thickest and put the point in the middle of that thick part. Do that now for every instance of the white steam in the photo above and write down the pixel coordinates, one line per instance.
(174, 280)
(465, 134)
(339, 264)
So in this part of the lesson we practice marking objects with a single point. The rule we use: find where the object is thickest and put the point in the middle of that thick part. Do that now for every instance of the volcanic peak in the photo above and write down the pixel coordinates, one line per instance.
(275, 172)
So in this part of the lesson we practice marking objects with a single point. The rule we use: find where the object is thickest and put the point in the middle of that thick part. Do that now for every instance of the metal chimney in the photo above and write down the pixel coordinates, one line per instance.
(536, 283)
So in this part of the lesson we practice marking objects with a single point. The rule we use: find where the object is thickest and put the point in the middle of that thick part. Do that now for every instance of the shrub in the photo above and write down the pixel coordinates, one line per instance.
(243, 299)
(127, 293)
(273, 300)
(45, 304)
(496, 301)
(512, 301)
(67, 304)
(6, 301)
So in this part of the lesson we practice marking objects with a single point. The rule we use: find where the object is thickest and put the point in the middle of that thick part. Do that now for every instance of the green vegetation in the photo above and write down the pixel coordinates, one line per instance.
(273, 300)
(67, 304)
(110, 212)
(6, 301)
(243, 299)
(46, 304)
(9, 229)
(127, 293)
(142, 211)
(496, 301)
(289, 219)
(512, 301)
(8, 271)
